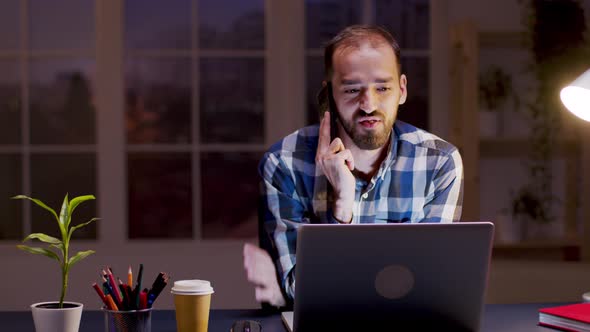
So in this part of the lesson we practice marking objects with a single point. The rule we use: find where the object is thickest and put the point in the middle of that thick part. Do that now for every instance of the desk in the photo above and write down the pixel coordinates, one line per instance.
(497, 317)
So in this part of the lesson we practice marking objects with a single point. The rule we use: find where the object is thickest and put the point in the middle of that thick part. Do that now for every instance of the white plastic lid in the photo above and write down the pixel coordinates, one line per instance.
(193, 286)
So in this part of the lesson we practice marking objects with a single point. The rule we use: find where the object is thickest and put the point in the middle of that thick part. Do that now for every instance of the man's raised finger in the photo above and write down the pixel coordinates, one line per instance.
(324, 137)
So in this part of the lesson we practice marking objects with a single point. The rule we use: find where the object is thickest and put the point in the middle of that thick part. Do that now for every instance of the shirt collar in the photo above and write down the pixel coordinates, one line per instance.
(391, 153)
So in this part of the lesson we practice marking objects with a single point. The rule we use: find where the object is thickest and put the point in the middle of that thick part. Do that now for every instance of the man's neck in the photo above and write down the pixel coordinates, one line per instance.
(367, 162)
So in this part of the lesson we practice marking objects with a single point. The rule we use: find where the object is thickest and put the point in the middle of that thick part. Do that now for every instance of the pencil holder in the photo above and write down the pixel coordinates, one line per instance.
(128, 321)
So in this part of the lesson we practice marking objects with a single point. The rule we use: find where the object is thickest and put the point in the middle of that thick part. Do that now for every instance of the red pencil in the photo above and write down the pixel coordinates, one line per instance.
(143, 299)
(117, 294)
(101, 294)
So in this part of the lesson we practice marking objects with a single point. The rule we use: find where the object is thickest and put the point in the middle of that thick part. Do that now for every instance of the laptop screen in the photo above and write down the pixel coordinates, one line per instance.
(412, 275)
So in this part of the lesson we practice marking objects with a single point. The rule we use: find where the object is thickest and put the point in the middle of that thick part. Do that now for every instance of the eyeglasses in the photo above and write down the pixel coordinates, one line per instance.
(246, 326)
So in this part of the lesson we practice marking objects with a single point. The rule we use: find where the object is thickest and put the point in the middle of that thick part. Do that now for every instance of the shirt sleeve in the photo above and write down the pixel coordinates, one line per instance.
(447, 202)
(282, 213)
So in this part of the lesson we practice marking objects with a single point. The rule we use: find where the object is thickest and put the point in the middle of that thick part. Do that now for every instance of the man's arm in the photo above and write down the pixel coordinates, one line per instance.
(447, 202)
(271, 268)
(282, 213)
(261, 271)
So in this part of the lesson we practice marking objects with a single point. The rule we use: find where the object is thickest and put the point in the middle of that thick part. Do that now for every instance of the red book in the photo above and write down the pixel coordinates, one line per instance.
(572, 317)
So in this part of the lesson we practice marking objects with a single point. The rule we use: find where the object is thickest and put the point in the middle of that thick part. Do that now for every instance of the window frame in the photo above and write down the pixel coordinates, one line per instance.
(284, 102)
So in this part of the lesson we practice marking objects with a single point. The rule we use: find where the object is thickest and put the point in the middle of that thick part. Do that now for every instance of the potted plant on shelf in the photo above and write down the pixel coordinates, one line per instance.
(58, 315)
(527, 206)
(495, 88)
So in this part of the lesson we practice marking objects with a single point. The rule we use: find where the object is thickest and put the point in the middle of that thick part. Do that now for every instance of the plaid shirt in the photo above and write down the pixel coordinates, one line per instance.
(420, 180)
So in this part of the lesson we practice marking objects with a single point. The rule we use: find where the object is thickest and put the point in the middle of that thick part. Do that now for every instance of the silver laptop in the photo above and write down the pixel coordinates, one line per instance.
(382, 277)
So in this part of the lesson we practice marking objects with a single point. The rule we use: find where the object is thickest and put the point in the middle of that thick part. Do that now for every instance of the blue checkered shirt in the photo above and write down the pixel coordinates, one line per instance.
(420, 180)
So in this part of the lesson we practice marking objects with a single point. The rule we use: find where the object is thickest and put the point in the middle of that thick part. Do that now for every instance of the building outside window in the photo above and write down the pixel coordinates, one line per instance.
(195, 111)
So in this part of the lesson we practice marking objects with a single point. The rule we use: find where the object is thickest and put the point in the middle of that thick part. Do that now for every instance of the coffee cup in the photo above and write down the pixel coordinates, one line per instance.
(192, 302)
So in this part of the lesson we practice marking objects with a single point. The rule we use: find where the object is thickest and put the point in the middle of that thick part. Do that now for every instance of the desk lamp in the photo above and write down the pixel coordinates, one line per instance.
(576, 96)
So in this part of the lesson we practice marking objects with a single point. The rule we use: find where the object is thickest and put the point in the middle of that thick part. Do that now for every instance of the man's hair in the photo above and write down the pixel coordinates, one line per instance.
(353, 37)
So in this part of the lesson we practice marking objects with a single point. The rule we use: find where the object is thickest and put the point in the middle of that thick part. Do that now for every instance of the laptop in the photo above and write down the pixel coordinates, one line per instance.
(384, 277)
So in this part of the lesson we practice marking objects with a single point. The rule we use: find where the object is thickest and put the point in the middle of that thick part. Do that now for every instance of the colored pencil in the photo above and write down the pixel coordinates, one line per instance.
(138, 286)
(100, 294)
(112, 304)
(130, 277)
(118, 298)
(123, 296)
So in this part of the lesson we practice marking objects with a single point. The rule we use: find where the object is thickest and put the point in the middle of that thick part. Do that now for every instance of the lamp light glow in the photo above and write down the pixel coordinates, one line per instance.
(576, 96)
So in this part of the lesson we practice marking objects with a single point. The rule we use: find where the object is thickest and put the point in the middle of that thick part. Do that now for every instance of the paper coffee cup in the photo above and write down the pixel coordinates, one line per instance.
(192, 301)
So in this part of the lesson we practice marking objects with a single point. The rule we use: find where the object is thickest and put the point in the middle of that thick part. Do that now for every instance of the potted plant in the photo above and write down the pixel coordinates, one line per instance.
(527, 206)
(58, 315)
(495, 88)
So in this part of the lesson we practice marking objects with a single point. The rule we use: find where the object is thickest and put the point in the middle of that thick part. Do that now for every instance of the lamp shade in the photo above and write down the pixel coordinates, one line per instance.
(576, 96)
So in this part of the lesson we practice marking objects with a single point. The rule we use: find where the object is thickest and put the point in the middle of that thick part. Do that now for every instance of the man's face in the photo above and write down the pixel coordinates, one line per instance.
(367, 90)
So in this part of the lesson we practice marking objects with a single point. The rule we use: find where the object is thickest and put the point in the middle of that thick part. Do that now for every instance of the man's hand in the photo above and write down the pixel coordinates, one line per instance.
(260, 271)
(337, 164)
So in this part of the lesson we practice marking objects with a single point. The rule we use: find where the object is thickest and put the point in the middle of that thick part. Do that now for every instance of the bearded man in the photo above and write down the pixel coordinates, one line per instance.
(372, 169)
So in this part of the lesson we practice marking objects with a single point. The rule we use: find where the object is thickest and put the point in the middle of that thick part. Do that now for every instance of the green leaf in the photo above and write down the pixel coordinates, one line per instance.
(78, 256)
(39, 251)
(64, 216)
(59, 246)
(38, 202)
(77, 200)
(43, 238)
(80, 226)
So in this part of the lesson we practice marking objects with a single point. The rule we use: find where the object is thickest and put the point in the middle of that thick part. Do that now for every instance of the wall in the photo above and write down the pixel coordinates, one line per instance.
(489, 15)
(517, 281)
(501, 176)
(33, 278)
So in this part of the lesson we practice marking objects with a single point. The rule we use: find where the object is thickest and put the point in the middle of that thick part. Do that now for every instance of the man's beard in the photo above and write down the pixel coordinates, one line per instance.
(368, 140)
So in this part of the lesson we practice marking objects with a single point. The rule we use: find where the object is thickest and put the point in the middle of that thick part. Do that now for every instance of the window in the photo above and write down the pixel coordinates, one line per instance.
(47, 140)
(195, 81)
(206, 87)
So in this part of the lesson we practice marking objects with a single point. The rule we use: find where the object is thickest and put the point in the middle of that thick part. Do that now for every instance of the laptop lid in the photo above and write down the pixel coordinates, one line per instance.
(374, 276)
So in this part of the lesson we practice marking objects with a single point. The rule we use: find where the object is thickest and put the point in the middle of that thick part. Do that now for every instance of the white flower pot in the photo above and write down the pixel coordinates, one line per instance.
(49, 318)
